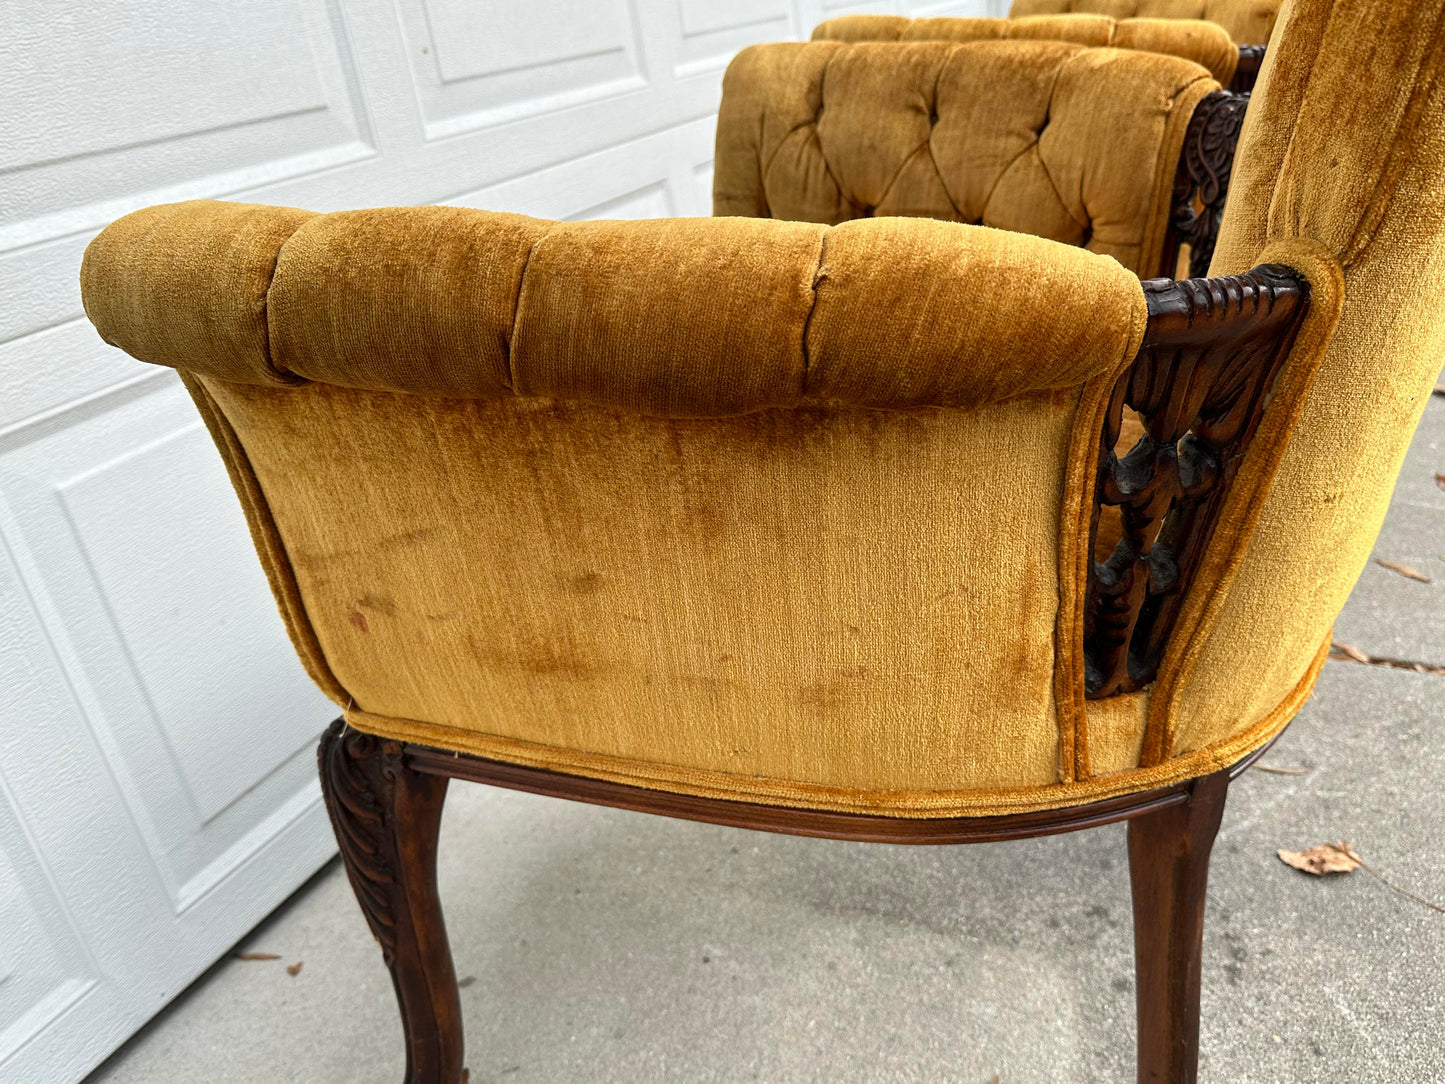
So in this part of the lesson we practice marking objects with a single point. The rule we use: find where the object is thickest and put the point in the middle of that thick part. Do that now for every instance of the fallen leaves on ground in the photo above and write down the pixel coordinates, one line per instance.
(1404, 570)
(1325, 858)
(1440, 479)
(257, 956)
(1349, 651)
(1341, 650)
(295, 969)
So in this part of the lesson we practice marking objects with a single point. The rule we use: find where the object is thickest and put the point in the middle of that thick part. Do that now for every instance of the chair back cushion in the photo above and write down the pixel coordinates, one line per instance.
(1248, 22)
(1205, 43)
(1039, 137)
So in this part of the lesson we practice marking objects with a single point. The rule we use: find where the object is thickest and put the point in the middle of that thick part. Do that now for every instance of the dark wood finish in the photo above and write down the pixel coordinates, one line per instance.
(1169, 870)
(1201, 181)
(386, 818)
(1246, 72)
(385, 800)
(824, 824)
(1211, 353)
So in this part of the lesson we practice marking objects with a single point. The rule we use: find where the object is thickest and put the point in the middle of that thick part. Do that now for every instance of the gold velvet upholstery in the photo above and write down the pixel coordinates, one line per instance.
(1248, 22)
(1205, 43)
(1039, 137)
(793, 513)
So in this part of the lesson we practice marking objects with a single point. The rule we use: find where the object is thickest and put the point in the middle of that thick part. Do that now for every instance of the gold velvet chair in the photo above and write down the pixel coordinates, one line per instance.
(1248, 22)
(1207, 44)
(788, 526)
(1125, 153)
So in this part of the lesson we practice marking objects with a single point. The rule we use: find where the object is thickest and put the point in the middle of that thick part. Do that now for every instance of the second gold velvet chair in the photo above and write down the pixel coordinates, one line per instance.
(1122, 152)
(789, 526)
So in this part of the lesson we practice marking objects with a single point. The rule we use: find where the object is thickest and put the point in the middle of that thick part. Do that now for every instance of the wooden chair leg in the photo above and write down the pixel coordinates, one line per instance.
(386, 818)
(1169, 867)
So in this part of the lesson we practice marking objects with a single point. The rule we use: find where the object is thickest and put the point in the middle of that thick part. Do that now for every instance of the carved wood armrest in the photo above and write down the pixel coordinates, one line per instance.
(1200, 384)
(1201, 180)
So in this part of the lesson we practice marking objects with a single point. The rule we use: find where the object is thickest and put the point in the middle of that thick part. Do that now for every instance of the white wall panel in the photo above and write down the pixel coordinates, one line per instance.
(481, 64)
(43, 970)
(108, 99)
(710, 31)
(138, 563)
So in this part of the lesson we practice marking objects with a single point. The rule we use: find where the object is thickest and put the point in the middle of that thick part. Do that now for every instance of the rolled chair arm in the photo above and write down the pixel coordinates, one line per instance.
(672, 317)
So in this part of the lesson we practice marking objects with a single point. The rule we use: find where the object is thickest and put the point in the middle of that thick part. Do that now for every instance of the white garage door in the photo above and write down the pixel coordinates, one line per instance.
(157, 793)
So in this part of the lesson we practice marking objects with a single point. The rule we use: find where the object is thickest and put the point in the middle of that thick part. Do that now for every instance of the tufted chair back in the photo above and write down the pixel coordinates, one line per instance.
(1249, 22)
(1038, 137)
(1203, 42)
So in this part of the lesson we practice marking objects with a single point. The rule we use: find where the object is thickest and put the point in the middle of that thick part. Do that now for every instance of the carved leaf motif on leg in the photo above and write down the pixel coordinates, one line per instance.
(386, 817)
(356, 784)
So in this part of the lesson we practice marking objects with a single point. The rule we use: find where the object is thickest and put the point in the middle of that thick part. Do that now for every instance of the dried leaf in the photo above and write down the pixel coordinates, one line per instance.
(295, 969)
(1350, 651)
(1281, 771)
(1440, 479)
(1404, 570)
(257, 956)
(1323, 859)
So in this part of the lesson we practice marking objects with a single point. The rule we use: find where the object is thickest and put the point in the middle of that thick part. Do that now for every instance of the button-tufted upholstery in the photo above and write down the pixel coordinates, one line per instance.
(1249, 22)
(1046, 138)
(1193, 39)
(538, 308)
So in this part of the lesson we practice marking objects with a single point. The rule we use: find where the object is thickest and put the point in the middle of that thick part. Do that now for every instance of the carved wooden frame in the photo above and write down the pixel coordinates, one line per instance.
(385, 800)
(1199, 385)
(1201, 181)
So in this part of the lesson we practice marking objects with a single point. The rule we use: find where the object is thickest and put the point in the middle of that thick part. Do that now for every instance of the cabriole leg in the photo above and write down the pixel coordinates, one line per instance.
(386, 818)
(1169, 868)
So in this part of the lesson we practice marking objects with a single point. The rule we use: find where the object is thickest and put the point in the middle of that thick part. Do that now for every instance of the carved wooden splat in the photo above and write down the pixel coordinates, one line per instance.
(1200, 384)
(1201, 180)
